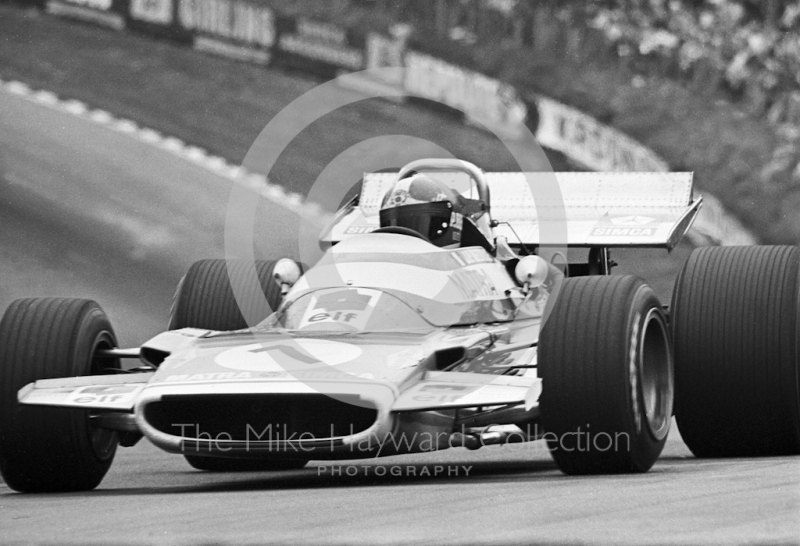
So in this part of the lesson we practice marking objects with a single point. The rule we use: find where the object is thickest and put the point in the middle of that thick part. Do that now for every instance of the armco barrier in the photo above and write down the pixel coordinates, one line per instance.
(157, 17)
(238, 29)
(321, 48)
(589, 143)
(107, 13)
(484, 101)
(247, 30)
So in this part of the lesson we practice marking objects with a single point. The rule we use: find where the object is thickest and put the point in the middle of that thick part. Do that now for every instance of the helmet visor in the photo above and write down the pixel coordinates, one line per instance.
(433, 220)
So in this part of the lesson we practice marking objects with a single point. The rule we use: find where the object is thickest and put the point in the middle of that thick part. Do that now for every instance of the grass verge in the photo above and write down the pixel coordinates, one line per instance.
(752, 166)
(212, 102)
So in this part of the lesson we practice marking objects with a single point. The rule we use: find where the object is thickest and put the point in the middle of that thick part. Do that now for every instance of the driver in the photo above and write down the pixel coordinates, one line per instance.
(429, 207)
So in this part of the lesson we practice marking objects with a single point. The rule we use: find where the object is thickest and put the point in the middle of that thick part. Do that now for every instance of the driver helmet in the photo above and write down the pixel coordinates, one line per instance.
(427, 206)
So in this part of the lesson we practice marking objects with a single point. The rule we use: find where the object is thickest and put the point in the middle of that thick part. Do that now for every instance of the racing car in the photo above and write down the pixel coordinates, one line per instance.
(440, 315)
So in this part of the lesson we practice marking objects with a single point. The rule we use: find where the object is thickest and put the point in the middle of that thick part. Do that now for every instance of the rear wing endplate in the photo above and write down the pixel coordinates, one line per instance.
(600, 209)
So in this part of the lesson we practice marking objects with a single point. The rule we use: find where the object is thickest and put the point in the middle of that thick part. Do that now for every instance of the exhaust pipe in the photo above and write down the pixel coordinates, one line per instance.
(477, 440)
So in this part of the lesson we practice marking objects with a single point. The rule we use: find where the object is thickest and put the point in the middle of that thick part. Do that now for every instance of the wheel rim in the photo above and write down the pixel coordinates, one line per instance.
(656, 374)
(103, 441)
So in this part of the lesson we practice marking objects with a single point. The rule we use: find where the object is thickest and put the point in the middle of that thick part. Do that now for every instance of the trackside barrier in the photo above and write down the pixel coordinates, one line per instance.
(247, 30)
(238, 29)
(484, 101)
(157, 17)
(107, 13)
(321, 48)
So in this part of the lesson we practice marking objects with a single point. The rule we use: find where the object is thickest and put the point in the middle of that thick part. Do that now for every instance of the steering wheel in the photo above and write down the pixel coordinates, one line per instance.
(399, 230)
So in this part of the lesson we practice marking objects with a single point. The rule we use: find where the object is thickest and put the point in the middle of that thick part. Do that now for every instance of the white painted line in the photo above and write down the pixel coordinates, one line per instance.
(125, 126)
(75, 107)
(46, 97)
(194, 153)
(17, 88)
(101, 116)
(173, 144)
(717, 226)
(150, 136)
(213, 164)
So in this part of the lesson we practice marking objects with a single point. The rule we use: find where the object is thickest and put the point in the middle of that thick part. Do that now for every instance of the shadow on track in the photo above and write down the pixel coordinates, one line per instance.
(313, 477)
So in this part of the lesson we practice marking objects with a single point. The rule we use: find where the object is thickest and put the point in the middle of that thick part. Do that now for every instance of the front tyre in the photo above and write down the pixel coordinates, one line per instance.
(607, 376)
(204, 297)
(52, 449)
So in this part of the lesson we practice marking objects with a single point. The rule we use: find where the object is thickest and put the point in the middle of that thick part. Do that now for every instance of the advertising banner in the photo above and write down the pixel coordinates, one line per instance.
(107, 13)
(233, 28)
(384, 52)
(590, 143)
(153, 11)
(157, 17)
(484, 101)
(381, 52)
(319, 47)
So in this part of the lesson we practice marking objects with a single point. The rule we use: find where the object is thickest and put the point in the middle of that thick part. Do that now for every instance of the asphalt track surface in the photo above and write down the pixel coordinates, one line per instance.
(88, 212)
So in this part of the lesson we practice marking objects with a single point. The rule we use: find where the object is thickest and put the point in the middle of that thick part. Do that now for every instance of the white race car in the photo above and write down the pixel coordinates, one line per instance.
(392, 344)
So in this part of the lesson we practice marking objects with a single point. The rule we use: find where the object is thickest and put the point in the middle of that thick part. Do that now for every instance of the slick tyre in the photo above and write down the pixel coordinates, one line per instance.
(52, 449)
(217, 464)
(735, 326)
(204, 298)
(607, 373)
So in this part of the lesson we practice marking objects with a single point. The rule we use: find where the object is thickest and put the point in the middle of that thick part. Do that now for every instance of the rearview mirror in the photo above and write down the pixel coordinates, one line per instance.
(531, 270)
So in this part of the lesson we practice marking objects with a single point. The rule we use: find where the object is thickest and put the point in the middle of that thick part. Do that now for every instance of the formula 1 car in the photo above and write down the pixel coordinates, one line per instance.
(391, 345)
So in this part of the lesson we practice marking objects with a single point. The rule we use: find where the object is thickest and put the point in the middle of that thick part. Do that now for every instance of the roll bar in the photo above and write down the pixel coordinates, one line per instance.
(453, 165)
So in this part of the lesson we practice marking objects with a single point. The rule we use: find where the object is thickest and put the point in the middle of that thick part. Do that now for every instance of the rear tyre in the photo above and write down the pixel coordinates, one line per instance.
(204, 298)
(52, 449)
(735, 325)
(606, 365)
(217, 464)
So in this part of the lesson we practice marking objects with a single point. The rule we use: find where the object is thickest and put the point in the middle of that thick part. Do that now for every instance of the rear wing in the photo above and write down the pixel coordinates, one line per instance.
(601, 209)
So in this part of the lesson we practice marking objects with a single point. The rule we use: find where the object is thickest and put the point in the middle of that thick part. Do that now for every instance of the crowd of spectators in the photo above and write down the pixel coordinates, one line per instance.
(750, 52)
(746, 51)
(754, 52)
(747, 48)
